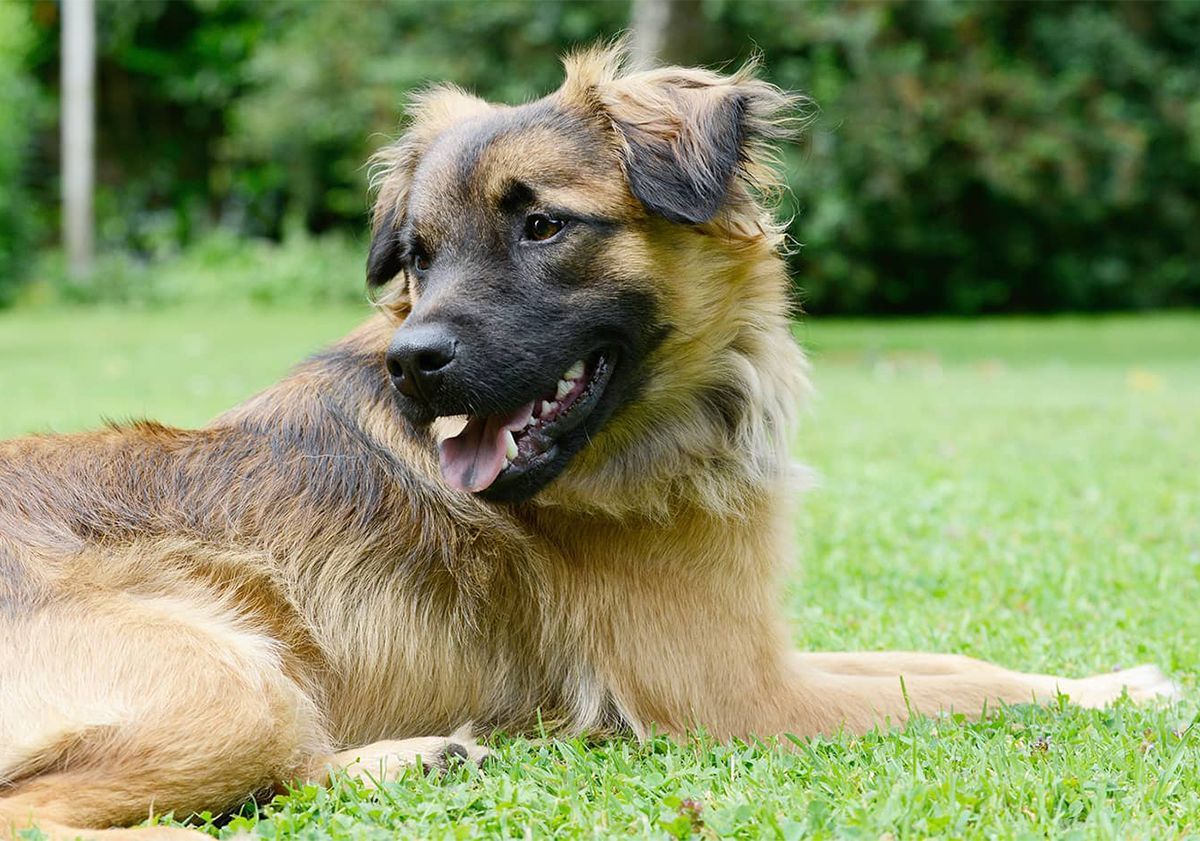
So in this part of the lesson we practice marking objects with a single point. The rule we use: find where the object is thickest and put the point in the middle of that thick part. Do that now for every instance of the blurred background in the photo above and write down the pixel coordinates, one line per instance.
(966, 158)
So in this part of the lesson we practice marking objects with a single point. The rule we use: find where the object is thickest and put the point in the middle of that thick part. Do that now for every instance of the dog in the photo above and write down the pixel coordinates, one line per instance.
(547, 482)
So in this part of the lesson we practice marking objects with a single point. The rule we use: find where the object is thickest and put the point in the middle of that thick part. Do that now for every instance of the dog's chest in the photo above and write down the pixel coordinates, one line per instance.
(399, 667)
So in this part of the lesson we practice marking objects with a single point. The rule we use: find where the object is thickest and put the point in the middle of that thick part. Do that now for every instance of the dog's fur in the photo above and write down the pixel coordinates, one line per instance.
(188, 618)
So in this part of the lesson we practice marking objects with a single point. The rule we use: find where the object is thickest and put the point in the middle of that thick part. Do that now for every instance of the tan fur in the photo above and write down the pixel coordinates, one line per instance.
(188, 618)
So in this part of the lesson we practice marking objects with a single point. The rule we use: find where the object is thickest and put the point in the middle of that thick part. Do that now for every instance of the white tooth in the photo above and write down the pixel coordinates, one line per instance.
(510, 445)
(448, 427)
(575, 371)
(547, 407)
(564, 388)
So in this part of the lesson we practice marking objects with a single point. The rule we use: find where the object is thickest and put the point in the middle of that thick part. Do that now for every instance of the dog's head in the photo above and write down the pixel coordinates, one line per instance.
(570, 270)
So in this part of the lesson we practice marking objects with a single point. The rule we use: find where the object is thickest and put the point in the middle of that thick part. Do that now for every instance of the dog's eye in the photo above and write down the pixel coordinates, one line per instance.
(421, 259)
(540, 227)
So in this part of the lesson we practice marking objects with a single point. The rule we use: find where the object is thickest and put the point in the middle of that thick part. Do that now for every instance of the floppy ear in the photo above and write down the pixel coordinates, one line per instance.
(681, 167)
(383, 260)
(695, 143)
(392, 169)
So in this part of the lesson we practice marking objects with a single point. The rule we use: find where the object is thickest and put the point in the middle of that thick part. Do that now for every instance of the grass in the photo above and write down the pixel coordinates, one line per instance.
(1025, 491)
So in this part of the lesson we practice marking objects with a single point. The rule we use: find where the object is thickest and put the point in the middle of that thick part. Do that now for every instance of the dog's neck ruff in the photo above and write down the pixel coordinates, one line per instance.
(700, 456)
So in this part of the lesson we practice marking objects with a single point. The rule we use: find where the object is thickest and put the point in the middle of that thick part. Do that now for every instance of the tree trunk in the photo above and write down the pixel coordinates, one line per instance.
(78, 132)
(667, 32)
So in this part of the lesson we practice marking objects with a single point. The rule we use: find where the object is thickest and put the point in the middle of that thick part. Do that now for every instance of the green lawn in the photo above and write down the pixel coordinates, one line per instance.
(1024, 491)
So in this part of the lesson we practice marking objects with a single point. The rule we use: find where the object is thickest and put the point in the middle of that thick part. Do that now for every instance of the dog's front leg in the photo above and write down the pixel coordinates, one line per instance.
(386, 761)
(731, 690)
(860, 690)
(706, 647)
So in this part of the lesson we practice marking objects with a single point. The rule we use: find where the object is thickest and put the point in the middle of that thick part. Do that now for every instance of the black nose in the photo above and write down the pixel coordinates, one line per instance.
(418, 359)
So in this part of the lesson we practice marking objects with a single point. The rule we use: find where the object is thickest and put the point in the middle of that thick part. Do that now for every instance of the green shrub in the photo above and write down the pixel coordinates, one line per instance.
(219, 268)
(18, 106)
(993, 156)
(967, 157)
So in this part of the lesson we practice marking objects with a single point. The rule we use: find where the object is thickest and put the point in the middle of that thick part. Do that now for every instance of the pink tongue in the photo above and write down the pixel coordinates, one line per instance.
(473, 458)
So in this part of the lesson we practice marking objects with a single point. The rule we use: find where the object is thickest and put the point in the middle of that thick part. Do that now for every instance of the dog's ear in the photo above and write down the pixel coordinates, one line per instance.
(392, 168)
(696, 144)
(680, 152)
(383, 259)
(695, 141)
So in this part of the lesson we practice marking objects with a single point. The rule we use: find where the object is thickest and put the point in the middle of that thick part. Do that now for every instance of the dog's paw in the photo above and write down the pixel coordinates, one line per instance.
(387, 761)
(461, 747)
(1142, 683)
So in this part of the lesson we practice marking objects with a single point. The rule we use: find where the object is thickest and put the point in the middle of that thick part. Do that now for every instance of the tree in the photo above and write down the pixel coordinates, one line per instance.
(666, 31)
(78, 131)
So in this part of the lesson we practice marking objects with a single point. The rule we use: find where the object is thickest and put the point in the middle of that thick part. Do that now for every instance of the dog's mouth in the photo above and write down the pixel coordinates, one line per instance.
(493, 450)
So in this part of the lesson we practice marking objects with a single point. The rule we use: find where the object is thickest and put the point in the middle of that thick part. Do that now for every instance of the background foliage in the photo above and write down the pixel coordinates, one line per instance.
(17, 124)
(966, 157)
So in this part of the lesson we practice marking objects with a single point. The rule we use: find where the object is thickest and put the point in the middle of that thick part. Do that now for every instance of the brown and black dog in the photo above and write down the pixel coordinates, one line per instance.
(548, 480)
